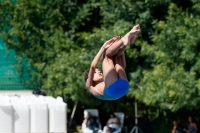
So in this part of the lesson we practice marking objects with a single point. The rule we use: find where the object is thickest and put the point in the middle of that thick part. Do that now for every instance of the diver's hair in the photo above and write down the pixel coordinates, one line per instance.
(86, 74)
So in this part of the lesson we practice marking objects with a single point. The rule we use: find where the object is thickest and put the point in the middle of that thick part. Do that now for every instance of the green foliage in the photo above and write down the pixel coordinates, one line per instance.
(173, 81)
(60, 39)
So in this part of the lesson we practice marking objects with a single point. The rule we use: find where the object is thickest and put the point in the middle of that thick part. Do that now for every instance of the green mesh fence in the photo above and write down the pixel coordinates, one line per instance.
(10, 78)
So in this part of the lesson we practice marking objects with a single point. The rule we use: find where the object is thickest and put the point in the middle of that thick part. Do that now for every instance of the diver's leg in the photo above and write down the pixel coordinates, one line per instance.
(126, 40)
(119, 62)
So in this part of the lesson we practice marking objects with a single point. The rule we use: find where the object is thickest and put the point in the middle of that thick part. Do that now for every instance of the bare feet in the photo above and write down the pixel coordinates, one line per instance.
(126, 39)
(131, 35)
(133, 38)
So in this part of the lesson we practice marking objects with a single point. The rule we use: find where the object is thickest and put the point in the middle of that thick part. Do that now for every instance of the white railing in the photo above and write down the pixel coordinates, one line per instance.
(32, 114)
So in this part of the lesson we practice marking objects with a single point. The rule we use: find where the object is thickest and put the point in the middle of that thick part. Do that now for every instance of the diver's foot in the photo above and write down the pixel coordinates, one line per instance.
(134, 31)
(131, 35)
(126, 39)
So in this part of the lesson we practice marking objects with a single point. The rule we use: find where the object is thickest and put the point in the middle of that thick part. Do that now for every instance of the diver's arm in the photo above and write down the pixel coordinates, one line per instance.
(93, 67)
(96, 61)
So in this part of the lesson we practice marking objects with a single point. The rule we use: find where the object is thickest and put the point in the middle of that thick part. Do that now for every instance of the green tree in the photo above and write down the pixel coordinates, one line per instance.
(60, 39)
(173, 81)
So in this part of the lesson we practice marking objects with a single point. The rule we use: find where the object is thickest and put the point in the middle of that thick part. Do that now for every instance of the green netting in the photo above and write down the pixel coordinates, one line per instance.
(2, 46)
(10, 78)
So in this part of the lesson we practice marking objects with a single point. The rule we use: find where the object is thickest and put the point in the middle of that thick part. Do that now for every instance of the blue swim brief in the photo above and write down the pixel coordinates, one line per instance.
(115, 91)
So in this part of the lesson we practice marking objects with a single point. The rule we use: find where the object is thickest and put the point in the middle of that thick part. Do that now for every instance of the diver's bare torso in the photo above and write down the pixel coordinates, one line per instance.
(97, 89)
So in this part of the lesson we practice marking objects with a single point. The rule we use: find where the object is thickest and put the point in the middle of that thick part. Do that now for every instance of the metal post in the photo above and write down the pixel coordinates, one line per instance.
(136, 120)
(136, 128)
